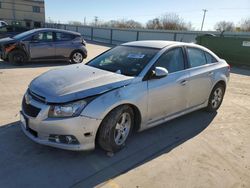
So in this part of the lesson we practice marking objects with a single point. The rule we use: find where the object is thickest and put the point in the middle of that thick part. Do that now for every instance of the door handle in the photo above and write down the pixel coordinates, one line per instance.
(210, 73)
(183, 82)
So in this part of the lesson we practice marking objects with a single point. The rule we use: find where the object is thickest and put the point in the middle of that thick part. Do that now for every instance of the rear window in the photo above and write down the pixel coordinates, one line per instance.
(64, 36)
(210, 59)
(196, 57)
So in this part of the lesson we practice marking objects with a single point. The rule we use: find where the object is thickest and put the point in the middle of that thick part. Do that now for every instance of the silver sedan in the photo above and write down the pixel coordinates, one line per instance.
(131, 87)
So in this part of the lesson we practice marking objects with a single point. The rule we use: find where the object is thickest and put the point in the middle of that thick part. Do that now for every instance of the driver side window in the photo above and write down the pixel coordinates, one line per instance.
(172, 60)
(43, 37)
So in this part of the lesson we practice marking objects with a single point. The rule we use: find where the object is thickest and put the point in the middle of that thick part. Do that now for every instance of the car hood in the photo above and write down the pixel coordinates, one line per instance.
(6, 40)
(75, 82)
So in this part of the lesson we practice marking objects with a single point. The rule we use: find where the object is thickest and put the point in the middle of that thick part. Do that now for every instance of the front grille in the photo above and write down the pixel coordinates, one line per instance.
(29, 109)
(36, 97)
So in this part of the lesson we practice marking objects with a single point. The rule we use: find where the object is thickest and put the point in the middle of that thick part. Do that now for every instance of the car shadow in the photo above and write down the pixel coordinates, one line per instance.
(27, 164)
(9, 65)
(100, 43)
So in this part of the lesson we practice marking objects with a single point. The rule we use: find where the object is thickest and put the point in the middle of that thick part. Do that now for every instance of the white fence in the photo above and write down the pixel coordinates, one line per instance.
(117, 36)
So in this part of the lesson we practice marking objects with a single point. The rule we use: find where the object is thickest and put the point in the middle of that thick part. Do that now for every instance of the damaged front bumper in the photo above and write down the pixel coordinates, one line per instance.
(75, 133)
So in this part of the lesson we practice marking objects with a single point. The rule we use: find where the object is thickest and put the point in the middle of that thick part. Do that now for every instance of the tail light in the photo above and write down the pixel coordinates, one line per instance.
(83, 42)
(229, 67)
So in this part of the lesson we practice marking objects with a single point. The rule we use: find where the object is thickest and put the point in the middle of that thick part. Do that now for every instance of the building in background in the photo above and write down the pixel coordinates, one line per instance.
(26, 13)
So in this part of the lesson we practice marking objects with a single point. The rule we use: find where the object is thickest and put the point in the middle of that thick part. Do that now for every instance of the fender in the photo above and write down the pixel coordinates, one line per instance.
(16, 46)
(134, 94)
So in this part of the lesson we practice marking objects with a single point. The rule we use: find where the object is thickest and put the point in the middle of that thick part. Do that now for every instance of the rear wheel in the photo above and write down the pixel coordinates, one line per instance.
(216, 98)
(17, 57)
(77, 57)
(115, 128)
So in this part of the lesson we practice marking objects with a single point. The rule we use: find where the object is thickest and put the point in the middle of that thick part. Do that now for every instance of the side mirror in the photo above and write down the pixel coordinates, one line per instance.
(160, 72)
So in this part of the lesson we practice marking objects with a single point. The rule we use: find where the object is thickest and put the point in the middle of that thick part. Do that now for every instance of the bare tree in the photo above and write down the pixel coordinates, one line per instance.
(122, 24)
(169, 21)
(77, 23)
(172, 22)
(224, 26)
(133, 24)
(154, 24)
(245, 25)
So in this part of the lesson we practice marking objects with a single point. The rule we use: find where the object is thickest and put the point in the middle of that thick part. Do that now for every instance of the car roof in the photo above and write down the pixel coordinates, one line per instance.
(160, 44)
(56, 30)
(153, 43)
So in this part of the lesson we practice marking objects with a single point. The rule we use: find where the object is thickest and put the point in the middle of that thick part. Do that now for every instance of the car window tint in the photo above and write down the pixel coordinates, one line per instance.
(43, 37)
(210, 59)
(172, 60)
(64, 36)
(196, 57)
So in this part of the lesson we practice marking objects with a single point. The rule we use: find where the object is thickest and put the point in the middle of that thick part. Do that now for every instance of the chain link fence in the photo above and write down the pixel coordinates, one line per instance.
(118, 36)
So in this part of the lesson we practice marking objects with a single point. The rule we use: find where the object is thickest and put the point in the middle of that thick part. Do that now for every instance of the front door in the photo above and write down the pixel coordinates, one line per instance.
(168, 95)
(42, 46)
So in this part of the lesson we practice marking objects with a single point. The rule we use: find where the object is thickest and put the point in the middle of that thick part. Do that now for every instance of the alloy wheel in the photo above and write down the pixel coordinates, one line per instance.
(122, 128)
(77, 57)
(217, 97)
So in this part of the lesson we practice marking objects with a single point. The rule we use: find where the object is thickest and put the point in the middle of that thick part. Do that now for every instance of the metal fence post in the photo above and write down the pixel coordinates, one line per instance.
(111, 36)
(64, 27)
(76, 28)
(137, 35)
(92, 33)
(175, 36)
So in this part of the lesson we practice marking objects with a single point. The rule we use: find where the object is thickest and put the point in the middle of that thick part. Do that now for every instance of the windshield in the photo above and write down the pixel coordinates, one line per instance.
(126, 60)
(23, 35)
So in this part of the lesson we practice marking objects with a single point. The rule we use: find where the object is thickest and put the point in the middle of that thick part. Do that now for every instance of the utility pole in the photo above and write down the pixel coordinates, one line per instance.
(85, 21)
(204, 16)
(96, 20)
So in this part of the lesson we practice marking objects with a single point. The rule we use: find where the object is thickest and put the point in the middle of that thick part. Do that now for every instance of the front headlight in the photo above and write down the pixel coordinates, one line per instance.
(67, 110)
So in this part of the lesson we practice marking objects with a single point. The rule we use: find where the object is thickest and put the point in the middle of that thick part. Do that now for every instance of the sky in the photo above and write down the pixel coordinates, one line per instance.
(190, 11)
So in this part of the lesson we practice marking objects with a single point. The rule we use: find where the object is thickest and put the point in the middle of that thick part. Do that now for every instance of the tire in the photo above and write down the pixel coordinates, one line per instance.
(119, 122)
(216, 98)
(77, 57)
(17, 57)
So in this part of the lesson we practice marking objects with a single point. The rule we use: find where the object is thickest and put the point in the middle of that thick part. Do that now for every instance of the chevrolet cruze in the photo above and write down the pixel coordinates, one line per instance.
(131, 87)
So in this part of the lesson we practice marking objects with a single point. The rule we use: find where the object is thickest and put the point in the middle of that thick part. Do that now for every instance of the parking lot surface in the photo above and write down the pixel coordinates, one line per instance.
(196, 150)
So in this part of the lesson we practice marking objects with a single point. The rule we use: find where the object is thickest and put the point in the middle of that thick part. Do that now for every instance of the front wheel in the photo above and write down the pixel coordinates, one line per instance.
(17, 57)
(216, 98)
(115, 128)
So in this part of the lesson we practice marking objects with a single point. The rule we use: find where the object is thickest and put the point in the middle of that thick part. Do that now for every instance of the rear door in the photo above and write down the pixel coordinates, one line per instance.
(63, 44)
(42, 46)
(168, 95)
(201, 75)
